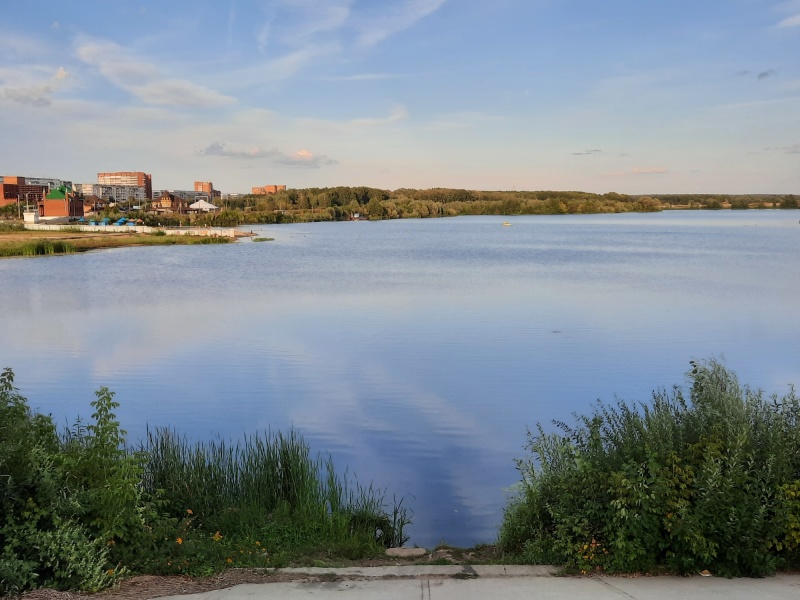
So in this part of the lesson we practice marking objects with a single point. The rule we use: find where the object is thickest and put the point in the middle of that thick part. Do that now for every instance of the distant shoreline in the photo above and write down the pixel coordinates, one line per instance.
(21, 243)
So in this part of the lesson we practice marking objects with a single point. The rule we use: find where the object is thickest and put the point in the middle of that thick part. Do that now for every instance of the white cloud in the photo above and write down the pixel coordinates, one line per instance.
(143, 79)
(319, 16)
(790, 22)
(34, 96)
(640, 171)
(649, 171)
(792, 149)
(179, 92)
(461, 120)
(13, 44)
(379, 28)
(301, 158)
(39, 95)
(396, 115)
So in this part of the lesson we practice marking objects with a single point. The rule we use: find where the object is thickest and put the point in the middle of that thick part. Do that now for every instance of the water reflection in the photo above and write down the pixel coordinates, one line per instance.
(416, 352)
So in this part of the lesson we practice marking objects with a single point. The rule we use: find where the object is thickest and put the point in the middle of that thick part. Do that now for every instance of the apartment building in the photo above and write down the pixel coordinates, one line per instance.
(268, 189)
(128, 178)
(130, 194)
(27, 190)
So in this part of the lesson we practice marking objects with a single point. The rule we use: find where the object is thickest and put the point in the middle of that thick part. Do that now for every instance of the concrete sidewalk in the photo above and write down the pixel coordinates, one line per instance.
(501, 582)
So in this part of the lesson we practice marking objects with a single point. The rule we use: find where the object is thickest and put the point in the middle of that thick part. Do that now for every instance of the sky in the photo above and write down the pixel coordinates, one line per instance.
(629, 96)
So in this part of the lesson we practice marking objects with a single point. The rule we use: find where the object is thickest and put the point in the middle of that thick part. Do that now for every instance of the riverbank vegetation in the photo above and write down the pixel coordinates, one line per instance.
(345, 203)
(682, 484)
(20, 242)
(81, 508)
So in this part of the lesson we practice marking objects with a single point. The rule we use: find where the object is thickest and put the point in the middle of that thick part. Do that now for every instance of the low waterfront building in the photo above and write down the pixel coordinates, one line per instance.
(168, 202)
(60, 202)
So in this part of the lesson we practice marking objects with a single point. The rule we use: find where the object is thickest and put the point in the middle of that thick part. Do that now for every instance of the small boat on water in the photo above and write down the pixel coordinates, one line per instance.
(506, 224)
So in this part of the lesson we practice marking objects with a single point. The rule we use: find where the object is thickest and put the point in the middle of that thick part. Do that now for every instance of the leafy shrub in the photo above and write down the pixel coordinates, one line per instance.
(44, 539)
(708, 482)
(80, 508)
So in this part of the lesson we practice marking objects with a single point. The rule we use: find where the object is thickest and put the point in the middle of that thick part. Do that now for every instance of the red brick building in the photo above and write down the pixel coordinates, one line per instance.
(61, 202)
(268, 189)
(14, 189)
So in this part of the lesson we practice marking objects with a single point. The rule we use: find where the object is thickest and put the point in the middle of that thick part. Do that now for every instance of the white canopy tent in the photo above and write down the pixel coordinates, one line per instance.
(203, 206)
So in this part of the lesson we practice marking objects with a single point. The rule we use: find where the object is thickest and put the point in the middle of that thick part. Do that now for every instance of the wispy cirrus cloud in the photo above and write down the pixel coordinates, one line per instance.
(13, 44)
(144, 79)
(792, 149)
(302, 158)
(461, 120)
(394, 20)
(366, 77)
(640, 171)
(396, 115)
(39, 95)
(588, 152)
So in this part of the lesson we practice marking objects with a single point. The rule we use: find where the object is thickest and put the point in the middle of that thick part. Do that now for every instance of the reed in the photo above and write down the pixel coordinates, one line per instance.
(269, 486)
(36, 248)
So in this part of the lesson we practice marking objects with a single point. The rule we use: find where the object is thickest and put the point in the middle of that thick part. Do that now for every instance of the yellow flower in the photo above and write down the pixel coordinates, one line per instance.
(179, 541)
(217, 536)
(230, 560)
(110, 571)
(258, 543)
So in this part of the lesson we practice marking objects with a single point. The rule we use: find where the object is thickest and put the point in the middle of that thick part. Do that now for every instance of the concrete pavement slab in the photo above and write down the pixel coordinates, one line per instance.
(781, 587)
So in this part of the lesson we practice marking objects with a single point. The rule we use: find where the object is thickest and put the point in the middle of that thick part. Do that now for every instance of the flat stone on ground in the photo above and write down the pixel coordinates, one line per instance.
(406, 552)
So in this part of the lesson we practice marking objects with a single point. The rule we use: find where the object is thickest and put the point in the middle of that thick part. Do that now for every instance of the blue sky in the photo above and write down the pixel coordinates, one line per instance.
(645, 96)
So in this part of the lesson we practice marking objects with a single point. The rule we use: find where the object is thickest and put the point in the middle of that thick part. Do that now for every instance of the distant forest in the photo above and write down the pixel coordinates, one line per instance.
(344, 203)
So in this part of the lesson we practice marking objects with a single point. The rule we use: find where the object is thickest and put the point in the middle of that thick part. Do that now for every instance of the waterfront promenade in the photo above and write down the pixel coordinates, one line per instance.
(460, 582)
(110, 228)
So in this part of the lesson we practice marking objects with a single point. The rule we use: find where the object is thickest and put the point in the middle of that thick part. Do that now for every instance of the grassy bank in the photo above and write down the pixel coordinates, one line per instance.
(681, 484)
(15, 243)
(81, 508)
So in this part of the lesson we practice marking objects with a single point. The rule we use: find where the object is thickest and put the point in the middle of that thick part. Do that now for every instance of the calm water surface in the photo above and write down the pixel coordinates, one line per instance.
(416, 352)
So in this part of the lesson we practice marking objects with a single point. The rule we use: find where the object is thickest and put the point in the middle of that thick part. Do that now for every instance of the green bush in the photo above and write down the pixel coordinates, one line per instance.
(709, 482)
(80, 508)
(44, 535)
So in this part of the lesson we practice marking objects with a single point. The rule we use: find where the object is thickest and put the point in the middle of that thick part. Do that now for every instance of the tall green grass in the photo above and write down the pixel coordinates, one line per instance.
(37, 248)
(709, 481)
(268, 486)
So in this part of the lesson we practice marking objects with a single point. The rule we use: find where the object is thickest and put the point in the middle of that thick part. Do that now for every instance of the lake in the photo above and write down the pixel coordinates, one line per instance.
(416, 352)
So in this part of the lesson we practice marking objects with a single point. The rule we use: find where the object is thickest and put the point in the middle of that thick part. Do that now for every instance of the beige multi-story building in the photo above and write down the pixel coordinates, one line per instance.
(128, 178)
(134, 195)
(268, 189)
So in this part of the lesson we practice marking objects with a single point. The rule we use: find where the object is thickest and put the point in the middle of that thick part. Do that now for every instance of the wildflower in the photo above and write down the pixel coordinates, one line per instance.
(217, 536)
(258, 543)
(111, 542)
(110, 571)
(230, 560)
(189, 511)
(179, 541)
